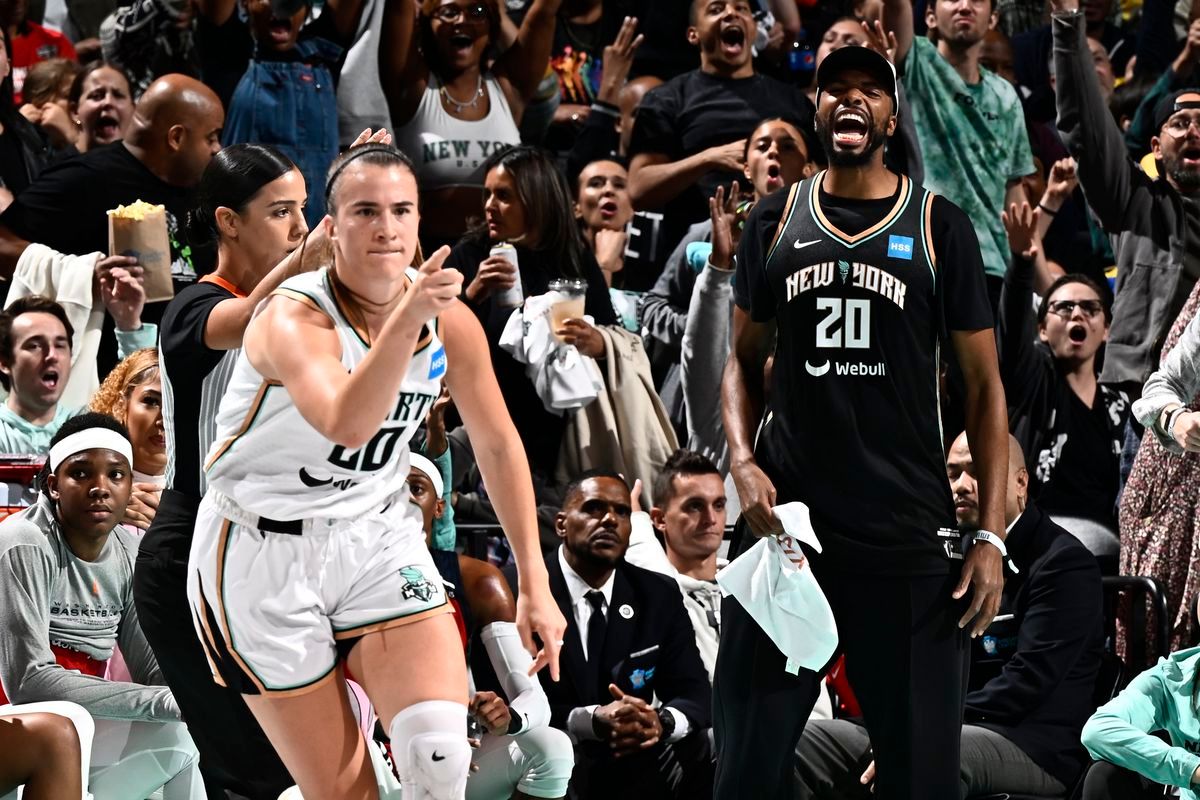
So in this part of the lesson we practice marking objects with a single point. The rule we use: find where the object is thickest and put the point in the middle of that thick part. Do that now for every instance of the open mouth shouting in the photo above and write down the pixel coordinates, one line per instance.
(1077, 333)
(1189, 156)
(108, 127)
(50, 380)
(733, 39)
(280, 31)
(774, 176)
(851, 127)
(608, 208)
(461, 43)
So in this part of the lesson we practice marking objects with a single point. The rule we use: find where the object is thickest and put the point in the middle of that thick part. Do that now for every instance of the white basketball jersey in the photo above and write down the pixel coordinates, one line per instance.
(271, 462)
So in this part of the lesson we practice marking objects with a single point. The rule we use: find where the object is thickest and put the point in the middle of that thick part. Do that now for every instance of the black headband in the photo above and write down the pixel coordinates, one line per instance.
(355, 154)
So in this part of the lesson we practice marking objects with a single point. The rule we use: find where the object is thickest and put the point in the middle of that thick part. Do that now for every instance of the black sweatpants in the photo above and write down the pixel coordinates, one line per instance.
(235, 754)
(906, 660)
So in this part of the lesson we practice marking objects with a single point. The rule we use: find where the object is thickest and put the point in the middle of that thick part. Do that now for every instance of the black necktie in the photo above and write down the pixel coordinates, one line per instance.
(597, 627)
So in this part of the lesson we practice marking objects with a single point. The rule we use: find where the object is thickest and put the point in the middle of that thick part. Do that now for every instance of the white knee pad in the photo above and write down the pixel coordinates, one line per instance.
(429, 744)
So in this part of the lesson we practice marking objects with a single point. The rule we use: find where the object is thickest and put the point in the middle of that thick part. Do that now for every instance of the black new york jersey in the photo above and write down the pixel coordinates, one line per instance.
(862, 294)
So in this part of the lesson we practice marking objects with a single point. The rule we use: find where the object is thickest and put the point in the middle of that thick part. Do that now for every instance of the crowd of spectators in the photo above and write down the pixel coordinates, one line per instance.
(610, 151)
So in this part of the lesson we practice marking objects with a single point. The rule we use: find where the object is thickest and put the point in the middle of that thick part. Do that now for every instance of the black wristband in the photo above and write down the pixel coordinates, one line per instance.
(1172, 417)
(606, 108)
(1044, 210)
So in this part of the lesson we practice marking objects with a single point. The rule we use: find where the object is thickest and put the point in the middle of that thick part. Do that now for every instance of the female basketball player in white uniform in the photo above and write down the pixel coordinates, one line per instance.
(306, 546)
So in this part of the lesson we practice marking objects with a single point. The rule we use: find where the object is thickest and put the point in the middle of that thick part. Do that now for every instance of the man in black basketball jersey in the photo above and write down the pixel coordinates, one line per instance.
(862, 276)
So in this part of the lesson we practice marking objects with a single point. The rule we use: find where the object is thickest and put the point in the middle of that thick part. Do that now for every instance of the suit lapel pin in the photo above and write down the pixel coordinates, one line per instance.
(626, 611)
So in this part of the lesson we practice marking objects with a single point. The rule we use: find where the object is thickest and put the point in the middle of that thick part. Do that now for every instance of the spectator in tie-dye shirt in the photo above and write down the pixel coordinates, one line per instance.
(969, 121)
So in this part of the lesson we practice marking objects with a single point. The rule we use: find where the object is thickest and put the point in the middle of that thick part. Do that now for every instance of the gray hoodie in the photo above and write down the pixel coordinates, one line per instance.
(1148, 222)
(48, 596)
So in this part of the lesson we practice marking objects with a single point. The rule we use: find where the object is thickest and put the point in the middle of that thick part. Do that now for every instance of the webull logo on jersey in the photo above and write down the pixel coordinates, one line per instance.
(846, 368)
(900, 247)
(862, 276)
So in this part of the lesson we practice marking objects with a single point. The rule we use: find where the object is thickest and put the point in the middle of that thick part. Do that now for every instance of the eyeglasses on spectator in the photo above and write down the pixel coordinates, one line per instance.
(451, 12)
(1066, 308)
(1177, 127)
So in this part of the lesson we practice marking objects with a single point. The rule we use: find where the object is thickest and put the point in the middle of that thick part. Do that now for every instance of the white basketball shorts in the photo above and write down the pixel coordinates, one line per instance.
(274, 609)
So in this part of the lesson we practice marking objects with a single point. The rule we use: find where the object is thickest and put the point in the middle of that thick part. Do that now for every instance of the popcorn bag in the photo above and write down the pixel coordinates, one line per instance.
(140, 230)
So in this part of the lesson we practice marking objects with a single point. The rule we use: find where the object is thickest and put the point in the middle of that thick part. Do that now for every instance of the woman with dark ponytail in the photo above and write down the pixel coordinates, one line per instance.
(249, 222)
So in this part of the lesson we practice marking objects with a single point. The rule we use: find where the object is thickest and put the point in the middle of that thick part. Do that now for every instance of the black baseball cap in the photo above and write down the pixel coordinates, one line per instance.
(860, 58)
(1176, 101)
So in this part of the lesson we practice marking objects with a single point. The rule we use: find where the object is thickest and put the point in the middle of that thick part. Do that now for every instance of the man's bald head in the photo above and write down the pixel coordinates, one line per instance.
(176, 128)
(173, 100)
(960, 469)
(629, 99)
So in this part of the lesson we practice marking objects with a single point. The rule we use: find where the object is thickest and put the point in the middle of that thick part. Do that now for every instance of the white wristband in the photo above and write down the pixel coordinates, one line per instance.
(998, 543)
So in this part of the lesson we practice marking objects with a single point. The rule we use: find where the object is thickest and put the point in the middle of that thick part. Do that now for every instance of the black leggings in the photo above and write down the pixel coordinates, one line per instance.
(1107, 781)
(235, 754)
(907, 661)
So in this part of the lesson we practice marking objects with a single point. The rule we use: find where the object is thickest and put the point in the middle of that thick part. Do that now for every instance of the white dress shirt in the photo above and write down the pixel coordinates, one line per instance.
(579, 721)
(578, 589)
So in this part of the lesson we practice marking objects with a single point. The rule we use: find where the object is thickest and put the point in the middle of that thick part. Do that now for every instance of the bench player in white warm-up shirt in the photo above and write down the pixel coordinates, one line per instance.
(306, 547)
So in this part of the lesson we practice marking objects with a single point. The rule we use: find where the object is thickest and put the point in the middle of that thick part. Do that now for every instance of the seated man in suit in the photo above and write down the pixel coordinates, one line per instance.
(1033, 672)
(628, 641)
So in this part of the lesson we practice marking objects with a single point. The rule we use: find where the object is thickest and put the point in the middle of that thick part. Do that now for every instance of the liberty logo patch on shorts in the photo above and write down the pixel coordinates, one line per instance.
(437, 365)
(900, 247)
(416, 587)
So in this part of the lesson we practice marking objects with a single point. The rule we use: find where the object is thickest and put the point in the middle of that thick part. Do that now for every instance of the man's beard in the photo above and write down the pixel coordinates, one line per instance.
(1186, 179)
(876, 136)
(961, 40)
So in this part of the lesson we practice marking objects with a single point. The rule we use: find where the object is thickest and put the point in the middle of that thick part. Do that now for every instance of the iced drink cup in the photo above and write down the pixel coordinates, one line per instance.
(569, 305)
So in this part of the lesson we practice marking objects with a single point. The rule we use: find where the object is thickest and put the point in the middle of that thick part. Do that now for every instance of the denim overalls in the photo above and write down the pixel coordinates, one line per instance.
(291, 105)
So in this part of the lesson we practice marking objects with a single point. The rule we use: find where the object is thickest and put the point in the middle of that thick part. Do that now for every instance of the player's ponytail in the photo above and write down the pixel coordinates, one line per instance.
(231, 180)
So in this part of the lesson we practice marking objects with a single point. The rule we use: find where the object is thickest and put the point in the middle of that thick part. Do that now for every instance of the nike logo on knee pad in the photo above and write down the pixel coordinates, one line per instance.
(436, 757)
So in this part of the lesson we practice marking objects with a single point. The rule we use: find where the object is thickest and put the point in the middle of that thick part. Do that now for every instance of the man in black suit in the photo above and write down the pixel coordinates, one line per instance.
(1033, 672)
(628, 642)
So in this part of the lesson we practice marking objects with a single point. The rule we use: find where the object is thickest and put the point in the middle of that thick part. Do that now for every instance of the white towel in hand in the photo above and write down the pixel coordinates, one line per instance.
(783, 597)
(563, 377)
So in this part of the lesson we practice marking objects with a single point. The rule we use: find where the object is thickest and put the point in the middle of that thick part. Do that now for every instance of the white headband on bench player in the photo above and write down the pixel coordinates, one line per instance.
(418, 461)
(90, 439)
